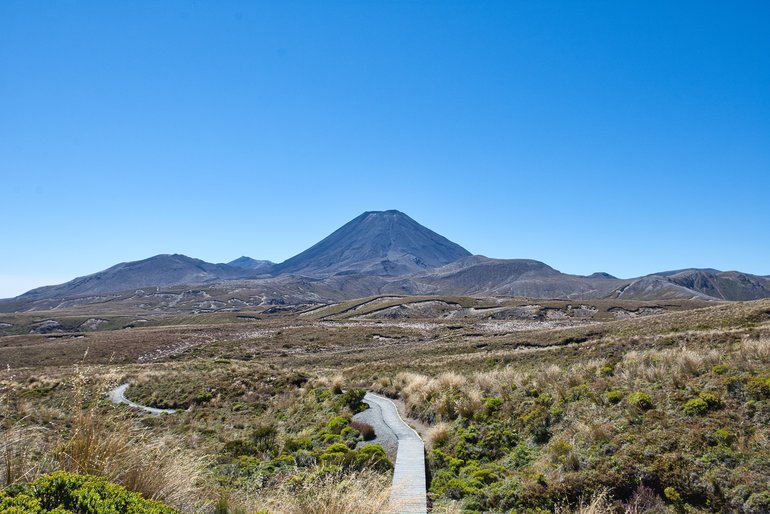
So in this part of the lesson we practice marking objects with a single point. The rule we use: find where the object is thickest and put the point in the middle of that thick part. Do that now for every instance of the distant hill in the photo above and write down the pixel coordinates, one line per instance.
(380, 252)
(252, 264)
(711, 283)
(385, 243)
(479, 275)
(159, 271)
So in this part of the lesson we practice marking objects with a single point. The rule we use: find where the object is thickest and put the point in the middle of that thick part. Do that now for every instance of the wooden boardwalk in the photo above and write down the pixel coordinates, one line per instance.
(408, 493)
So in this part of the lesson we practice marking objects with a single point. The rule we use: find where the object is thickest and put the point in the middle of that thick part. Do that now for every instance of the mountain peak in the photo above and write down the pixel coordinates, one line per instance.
(382, 243)
(389, 211)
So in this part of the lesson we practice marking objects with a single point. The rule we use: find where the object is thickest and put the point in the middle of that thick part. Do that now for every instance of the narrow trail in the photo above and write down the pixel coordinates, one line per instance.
(408, 494)
(118, 395)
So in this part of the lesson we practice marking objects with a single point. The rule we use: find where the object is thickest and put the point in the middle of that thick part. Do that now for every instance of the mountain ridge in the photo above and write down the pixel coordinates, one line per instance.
(387, 252)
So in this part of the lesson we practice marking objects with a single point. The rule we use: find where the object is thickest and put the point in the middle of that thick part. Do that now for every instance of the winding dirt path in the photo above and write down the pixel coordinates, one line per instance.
(118, 395)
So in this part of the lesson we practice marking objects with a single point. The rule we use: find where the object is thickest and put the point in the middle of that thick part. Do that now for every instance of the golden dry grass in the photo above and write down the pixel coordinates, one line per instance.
(365, 492)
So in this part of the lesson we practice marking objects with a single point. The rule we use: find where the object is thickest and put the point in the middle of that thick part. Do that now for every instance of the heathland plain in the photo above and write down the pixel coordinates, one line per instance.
(591, 400)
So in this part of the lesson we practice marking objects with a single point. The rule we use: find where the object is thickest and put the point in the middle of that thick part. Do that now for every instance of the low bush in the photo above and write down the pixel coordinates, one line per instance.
(353, 400)
(336, 424)
(365, 429)
(758, 388)
(62, 492)
(614, 396)
(702, 404)
(640, 400)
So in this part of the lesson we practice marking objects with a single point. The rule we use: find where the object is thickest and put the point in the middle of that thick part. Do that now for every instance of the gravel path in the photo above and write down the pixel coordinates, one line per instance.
(384, 435)
(408, 494)
(118, 395)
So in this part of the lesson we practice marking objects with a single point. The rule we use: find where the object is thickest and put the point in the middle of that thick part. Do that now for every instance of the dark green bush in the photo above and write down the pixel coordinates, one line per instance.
(62, 492)
(640, 400)
(702, 404)
(492, 405)
(720, 369)
(607, 370)
(372, 456)
(758, 388)
(352, 399)
(696, 407)
(239, 447)
(302, 443)
(712, 400)
(263, 438)
(336, 424)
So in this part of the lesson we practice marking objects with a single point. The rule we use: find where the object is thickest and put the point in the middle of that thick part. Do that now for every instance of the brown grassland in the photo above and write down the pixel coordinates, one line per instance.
(526, 405)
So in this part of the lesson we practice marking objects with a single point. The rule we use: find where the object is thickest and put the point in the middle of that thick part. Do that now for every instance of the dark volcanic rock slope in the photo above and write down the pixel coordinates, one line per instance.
(385, 243)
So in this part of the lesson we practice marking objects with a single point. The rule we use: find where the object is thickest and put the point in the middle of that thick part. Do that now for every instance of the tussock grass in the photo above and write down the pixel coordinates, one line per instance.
(102, 442)
(365, 492)
(19, 462)
(537, 417)
(598, 503)
(755, 350)
(438, 434)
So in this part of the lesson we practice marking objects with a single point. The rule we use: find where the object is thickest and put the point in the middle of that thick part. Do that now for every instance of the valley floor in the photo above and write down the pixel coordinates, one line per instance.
(527, 405)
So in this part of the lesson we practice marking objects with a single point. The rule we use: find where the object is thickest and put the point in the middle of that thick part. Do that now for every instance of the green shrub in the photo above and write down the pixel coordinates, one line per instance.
(336, 424)
(302, 443)
(758, 388)
(263, 438)
(640, 400)
(457, 488)
(352, 399)
(696, 407)
(372, 456)
(614, 396)
(722, 436)
(720, 369)
(492, 405)
(330, 438)
(538, 424)
(336, 448)
(607, 370)
(443, 460)
(712, 400)
(672, 495)
(19, 504)
(62, 492)
(702, 404)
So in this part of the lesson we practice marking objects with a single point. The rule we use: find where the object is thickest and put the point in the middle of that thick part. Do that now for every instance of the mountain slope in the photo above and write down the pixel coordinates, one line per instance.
(252, 264)
(159, 271)
(383, 243)
(479, 275)
(727, 285)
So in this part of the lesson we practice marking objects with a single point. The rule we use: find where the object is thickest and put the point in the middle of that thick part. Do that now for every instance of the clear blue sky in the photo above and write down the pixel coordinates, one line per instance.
(627, 137)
